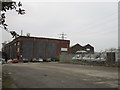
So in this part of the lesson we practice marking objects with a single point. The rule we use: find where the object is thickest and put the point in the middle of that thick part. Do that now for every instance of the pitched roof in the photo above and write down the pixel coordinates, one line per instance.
(76, 45)
(88, 45)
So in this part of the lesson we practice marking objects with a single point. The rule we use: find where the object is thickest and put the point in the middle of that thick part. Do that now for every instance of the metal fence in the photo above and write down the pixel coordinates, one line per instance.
(103, 58)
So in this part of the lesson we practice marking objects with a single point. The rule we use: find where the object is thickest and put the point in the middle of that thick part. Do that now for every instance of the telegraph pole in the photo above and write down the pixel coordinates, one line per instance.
(63, 36)
(21, 32)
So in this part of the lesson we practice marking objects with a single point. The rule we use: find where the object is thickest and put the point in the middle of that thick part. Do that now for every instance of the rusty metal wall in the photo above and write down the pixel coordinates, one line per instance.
(7, 51)
(27, 49)
(52, 48)
(40, 49)
(44, 49)
(13, 51)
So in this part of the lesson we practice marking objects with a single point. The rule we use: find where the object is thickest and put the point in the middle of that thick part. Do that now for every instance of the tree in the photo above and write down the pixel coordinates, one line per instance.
(111, 49)
(9, 5)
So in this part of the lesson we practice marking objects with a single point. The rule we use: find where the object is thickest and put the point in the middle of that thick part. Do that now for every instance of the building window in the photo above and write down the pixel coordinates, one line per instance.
(64, 49)
(18, 43)
(88, 49)
(18, 49)
(14, 44)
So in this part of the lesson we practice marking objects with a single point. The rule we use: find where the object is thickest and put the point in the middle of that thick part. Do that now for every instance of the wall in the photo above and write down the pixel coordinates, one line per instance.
(27, 49)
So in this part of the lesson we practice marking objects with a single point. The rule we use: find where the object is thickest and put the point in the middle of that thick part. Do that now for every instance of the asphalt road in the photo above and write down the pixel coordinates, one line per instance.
(56, 75)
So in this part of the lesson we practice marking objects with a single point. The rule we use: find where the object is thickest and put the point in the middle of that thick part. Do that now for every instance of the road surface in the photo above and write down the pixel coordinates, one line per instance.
(56, 75)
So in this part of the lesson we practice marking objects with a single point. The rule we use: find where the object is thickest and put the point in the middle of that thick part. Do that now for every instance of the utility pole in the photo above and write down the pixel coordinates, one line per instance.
(21, 32)
(63, 36)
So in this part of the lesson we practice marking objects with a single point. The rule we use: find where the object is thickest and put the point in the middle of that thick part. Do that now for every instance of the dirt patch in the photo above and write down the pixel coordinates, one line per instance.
(92, 63)
(7, 82)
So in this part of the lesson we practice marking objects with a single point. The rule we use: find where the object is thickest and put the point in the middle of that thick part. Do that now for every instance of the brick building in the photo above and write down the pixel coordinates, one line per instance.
(77, 47)
(35, 47)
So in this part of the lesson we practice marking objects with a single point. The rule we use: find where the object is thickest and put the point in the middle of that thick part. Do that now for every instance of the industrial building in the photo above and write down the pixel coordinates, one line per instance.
(77, 47)
(36, 47)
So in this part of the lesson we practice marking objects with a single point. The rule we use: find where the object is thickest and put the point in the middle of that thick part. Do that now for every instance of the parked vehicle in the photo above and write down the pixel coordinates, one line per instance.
(48, 60)
(33, 60)
(2, 61)
(25, 60)
(9, 61)
(40, 60)
(54, 59)
(76, 58)
(37, 60)
(15, 60)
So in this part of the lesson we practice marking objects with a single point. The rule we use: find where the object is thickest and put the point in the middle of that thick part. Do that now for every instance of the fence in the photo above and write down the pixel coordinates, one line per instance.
(101, 58)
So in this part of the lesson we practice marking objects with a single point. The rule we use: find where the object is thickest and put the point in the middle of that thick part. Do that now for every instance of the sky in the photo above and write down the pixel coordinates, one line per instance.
(94, 22)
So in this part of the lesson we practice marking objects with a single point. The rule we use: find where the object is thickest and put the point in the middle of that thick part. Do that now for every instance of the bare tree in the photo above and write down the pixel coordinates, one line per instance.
(6, 5)
(111, 49)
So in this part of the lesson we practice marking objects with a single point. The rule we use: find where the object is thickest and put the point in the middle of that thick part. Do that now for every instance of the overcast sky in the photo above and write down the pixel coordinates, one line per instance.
(94, 23)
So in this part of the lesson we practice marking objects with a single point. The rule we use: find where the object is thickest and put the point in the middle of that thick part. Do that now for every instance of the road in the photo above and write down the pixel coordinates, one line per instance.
(56, 75)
